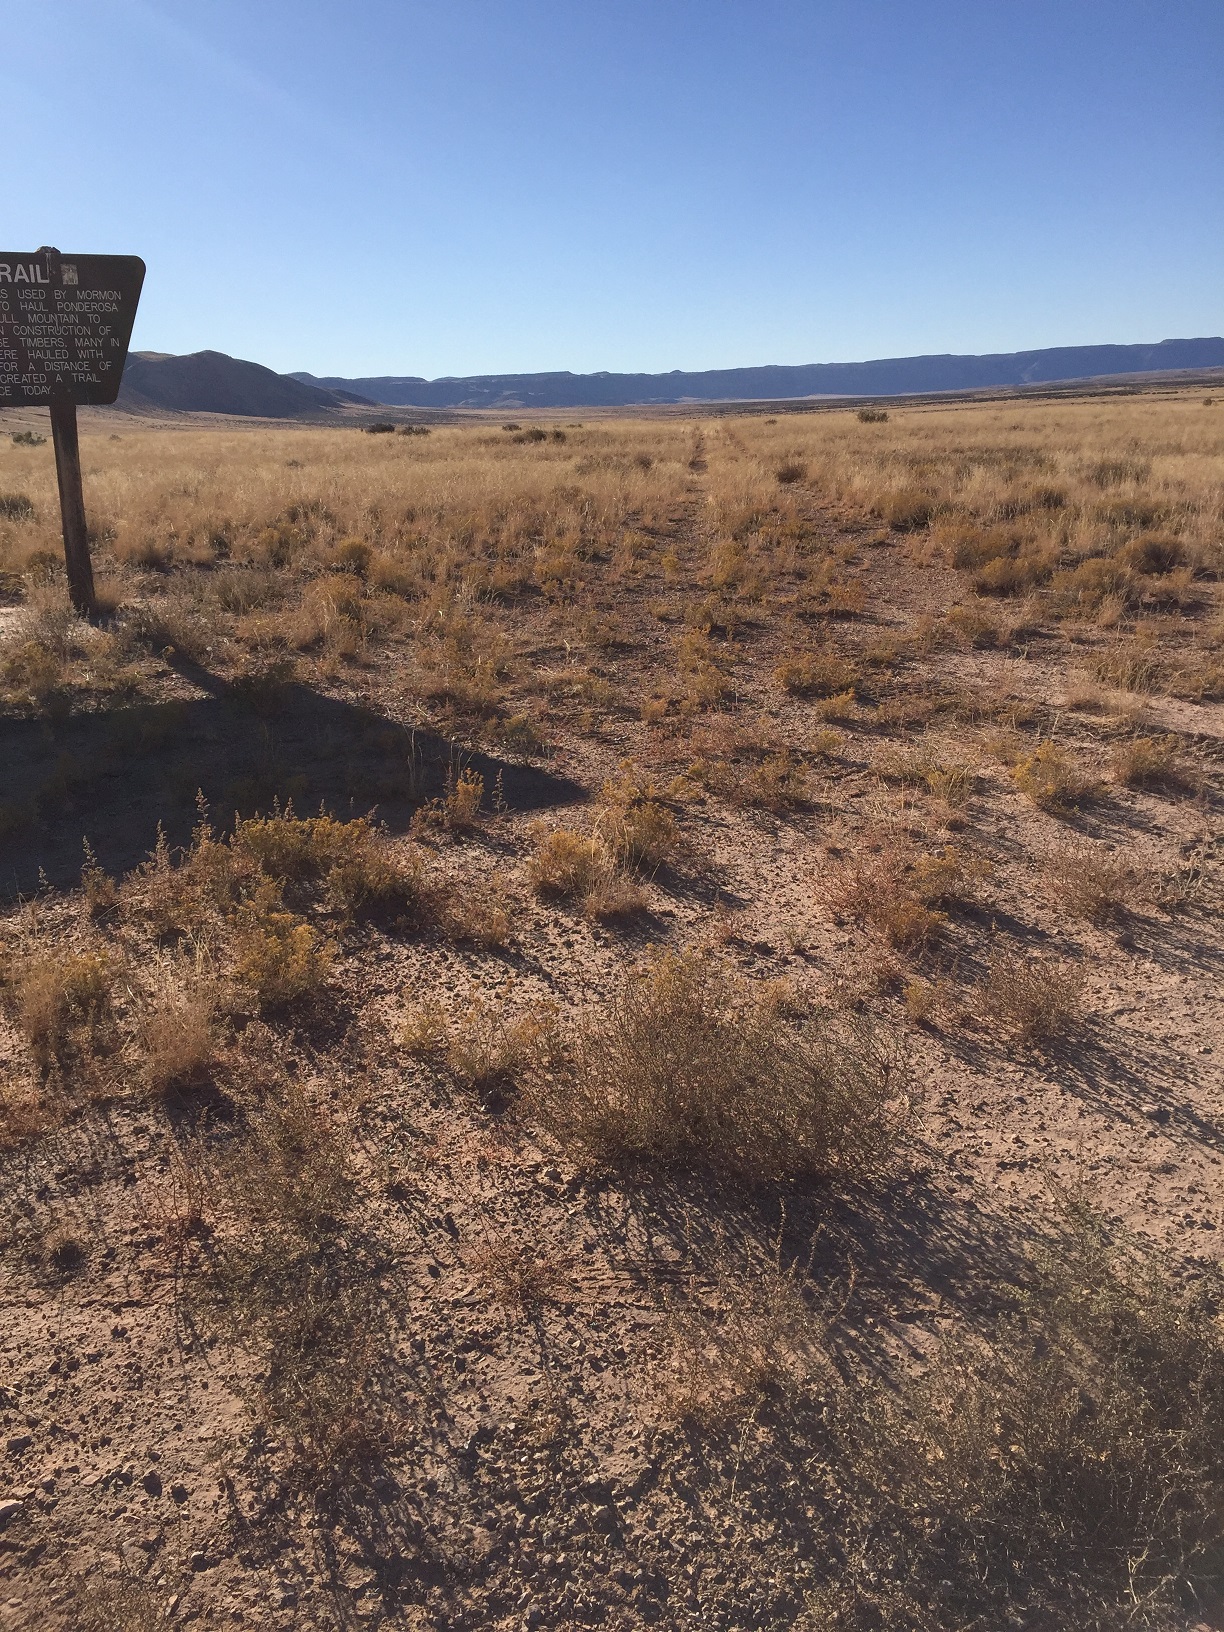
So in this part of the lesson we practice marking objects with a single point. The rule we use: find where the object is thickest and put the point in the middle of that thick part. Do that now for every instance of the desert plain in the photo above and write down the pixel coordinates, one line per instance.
(616, 1022)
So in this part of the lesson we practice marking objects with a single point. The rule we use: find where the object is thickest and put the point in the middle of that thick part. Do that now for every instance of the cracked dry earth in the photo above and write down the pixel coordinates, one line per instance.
(521, 1309)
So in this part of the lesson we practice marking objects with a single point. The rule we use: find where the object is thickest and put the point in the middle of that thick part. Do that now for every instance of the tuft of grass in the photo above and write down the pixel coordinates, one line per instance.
(178, 1040)
(817, 674)
(1051, 779)
(64, 1003)
(687, 1067)
(1151, 763)
(65, 1253)
(569, 866)
(907, 509)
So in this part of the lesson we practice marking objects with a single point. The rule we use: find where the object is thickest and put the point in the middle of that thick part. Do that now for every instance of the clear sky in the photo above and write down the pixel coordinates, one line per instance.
(468, 186)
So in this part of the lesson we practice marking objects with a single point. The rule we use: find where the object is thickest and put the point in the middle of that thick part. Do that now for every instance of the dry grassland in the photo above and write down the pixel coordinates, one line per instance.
(617, 1024)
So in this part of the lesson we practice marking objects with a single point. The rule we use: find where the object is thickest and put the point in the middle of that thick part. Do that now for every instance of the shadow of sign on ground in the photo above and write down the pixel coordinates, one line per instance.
(111, 777)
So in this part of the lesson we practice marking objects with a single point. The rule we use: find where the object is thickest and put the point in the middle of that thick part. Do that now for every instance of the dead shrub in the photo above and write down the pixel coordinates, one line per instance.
(292, 1282)
(926, 764)
(352, 555)
(1013, 574)
(1065, 1471)
(100, 890)
(107, 1604)
(458, 811)
(347, 868)
(480, 914)
(688, 1067)
(1091, 882)
(209, 880)
(1154, 553)
(949, 877)
(790, 472)
(974, 629)
(751, 1341)
(33, 672)
(896, 890)
(516, 1274)
(780, 782)
(926, 1001)
(350, 865)
(636, 825)
(488, 1049)
(1035, 999)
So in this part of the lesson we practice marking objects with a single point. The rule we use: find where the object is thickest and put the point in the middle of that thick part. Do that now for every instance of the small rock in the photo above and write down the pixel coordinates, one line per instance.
(16, 1443)
(9, 1509)
(198, 1560)
(178, 1493)
(152, 1482)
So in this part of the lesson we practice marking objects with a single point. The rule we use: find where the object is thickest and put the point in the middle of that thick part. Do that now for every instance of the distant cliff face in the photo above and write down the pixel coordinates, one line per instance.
(888, 376)
(211, 382)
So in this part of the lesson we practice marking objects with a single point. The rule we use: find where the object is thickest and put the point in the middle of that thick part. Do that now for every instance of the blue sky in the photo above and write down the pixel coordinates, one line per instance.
(464, 186)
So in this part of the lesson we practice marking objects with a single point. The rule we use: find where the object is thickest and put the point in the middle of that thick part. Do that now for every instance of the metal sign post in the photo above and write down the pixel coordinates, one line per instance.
(65, 325)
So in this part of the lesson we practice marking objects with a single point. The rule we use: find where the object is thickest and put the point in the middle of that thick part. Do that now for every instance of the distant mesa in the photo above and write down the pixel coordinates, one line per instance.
(211, 382)
(887, 376)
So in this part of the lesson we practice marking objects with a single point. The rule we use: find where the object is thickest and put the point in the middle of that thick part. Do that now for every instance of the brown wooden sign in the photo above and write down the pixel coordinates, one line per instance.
(65, 324)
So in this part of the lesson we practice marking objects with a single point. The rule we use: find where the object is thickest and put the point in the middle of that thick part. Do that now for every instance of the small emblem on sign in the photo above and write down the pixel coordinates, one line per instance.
(68, 268)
